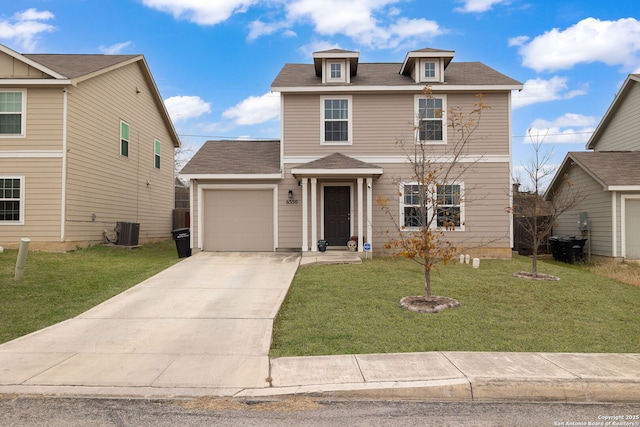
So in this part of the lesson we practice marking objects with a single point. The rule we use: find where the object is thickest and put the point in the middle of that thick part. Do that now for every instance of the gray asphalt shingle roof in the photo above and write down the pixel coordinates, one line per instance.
(235, 157)
(388, 74)
(337, 161)
(613, 168)
(73, 66)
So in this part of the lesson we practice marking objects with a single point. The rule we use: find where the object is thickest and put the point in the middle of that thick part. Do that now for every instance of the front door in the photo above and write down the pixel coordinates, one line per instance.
(337, 216)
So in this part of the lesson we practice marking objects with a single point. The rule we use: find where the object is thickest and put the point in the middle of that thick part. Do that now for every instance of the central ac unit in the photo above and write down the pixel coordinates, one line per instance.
(127, 233)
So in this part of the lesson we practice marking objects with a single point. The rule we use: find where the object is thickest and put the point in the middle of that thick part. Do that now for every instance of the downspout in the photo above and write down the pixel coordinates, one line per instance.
(614, 225)
(63, 207)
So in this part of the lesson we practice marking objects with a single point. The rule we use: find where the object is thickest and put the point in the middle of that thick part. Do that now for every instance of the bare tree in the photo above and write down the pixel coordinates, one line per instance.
(538, 216)
(421, 236)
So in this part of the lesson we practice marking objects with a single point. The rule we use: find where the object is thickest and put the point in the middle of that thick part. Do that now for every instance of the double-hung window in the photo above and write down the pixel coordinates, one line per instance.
(417, 204)
(12, 113)
(429, 70)
(157, 147)
(431, 121)
(336, 120)
(449, 212)
(11, 200)
(336, 70)
(124, 139)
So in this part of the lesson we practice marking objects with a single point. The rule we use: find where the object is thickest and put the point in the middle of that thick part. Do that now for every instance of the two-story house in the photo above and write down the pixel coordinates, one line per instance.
(608, 178)
(85, 143)
(341, 120)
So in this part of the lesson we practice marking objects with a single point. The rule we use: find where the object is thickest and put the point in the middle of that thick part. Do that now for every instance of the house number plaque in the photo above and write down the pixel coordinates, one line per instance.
(292, 202)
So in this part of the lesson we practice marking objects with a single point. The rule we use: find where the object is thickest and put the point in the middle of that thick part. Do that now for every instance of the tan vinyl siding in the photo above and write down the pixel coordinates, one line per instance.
(598, 207)
(486, 198)
(103, 182)
(44, 121)
(621, 133)
(487, 226)
(380, 120)
(13, 68)
(42, 201)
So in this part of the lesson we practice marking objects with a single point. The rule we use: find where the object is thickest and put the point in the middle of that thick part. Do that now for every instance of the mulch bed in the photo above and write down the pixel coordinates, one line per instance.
(433, 304)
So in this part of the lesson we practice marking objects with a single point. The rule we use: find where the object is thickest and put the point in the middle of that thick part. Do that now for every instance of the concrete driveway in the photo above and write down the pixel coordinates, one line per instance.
(204, 323)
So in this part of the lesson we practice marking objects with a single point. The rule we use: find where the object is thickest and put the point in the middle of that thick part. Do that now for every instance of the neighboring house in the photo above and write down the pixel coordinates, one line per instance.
(340, 122)
(85, 142)
(609, 176)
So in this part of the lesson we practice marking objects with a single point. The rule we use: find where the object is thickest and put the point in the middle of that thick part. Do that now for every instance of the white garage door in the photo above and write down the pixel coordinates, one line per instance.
(238, 220)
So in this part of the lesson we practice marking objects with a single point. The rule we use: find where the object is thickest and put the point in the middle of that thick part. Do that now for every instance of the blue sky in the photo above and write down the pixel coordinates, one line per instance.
(214, 60)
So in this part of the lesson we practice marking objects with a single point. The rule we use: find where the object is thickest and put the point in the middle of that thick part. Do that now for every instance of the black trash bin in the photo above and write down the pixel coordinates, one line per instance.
(322, 245)
(182, 236)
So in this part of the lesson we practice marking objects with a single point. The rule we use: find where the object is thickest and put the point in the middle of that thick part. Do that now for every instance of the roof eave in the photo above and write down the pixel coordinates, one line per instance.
(223, 176)
(38, 66)
(337, 172)
(626, 86)
(401, 88)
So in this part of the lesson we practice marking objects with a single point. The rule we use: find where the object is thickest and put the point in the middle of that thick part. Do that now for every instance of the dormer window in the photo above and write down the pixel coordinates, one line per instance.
(336, 71)
(429, 70)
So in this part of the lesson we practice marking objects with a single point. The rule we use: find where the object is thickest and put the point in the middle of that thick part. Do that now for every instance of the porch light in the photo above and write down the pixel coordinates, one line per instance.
(290, 194)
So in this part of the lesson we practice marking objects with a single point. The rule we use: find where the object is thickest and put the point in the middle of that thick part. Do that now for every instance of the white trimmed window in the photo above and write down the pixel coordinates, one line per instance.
(446, 198)
(11, 200)
(431, 124)
(157, 147)
(336, 71)
(336, 120)
(13, 107)
(429, 70)
(124, 139)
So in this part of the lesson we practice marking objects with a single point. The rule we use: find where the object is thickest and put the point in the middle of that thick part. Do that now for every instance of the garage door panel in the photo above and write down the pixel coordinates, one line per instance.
(238, 220)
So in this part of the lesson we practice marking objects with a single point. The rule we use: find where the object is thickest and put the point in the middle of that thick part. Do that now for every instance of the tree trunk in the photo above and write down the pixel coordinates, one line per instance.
(427, 282)
(534, 250)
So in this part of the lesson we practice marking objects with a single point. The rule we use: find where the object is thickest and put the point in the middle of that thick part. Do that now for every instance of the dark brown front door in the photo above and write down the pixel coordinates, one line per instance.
(337, 215)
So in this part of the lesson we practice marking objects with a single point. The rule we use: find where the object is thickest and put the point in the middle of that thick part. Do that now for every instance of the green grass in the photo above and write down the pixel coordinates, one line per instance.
(354, 309)
(59, 286)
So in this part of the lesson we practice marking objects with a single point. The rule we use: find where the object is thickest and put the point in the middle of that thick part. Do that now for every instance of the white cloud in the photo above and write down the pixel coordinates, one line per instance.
(361, 21)
(590, 40)
(317, 46)
(202, 12)
(569, 128)
(182, 108)
(255, 110)
(479, 5)
(540, 90)
(25, 27)
(114, 49)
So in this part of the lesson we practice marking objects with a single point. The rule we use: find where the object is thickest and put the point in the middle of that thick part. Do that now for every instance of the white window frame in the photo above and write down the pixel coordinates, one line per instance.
(436, 70)
(443, 118)
(343, 72)
(21, 200)
(157, 155)
(349, 100)
(402, 206)
(23, 115)
(126, 156)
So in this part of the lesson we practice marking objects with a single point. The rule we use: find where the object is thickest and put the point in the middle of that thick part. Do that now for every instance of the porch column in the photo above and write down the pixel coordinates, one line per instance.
(360, 217)
(369, 213)
(305, 225)
(314, 214)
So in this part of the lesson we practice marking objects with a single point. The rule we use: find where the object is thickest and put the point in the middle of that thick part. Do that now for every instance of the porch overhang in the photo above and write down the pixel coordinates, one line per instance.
(300, 172)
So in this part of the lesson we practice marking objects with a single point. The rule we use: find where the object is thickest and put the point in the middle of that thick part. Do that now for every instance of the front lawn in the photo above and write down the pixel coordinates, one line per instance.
(354, 309)
(59, 286)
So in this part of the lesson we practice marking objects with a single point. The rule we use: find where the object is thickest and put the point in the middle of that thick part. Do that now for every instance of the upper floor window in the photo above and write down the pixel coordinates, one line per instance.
(429, 70)
(157, 147)
(431, 124)
(336, 120)
(11, 200)
(12, 113)
(336, 71)
(124, 139)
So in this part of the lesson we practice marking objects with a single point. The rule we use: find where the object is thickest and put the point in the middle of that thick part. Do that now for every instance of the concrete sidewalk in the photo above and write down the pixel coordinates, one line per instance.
(203, 328)
(460, 376)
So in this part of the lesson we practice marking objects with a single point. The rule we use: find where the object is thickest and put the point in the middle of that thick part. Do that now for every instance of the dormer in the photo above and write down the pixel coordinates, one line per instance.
(427, 65)
(336, 65)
